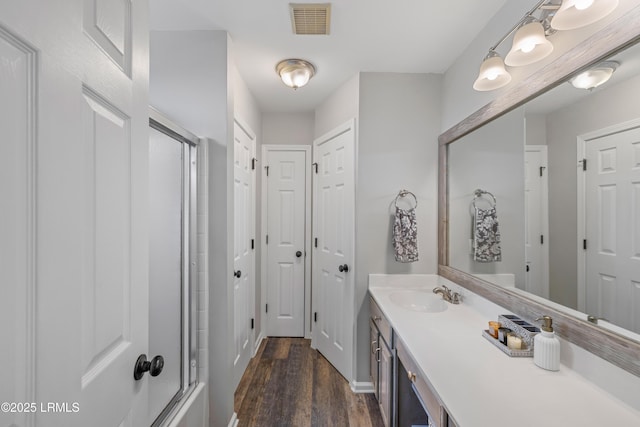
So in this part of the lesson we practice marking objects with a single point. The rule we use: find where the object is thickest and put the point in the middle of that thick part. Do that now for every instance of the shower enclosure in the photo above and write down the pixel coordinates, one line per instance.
(172, 264)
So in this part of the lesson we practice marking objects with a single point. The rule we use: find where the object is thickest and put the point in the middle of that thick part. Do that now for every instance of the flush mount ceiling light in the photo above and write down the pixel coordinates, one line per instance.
(595, 76)
(295, 73)
(492, 73)
(530, 45)
(579, 13)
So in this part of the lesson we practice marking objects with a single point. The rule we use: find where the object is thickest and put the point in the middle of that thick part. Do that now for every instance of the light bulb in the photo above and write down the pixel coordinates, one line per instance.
(492, 75)
(527, 47)
(583, 4)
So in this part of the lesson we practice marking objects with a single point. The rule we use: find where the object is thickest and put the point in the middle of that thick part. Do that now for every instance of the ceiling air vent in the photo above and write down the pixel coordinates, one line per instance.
(310, 18)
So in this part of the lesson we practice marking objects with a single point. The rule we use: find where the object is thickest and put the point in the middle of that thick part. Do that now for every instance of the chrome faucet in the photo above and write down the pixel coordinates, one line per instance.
(447, 295)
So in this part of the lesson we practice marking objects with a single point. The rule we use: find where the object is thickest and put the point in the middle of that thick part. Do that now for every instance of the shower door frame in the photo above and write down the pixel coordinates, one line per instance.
(189, 344)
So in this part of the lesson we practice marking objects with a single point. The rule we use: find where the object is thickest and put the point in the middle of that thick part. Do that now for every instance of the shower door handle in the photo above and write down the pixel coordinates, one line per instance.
(142, 365)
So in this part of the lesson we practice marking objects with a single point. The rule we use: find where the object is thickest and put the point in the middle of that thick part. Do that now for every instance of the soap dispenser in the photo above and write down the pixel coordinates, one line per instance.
(546, 346)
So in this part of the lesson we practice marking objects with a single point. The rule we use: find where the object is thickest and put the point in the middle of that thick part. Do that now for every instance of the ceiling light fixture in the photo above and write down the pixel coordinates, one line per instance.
(530, 43)
(493, 74)
(295, 73)
(594, 76)
(579, 13)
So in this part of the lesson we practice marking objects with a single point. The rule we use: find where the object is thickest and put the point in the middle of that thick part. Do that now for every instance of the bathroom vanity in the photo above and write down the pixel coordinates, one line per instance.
(462, 379)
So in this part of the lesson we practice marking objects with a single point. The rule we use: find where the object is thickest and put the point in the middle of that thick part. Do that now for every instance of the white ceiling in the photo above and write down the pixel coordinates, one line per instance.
(409, 36)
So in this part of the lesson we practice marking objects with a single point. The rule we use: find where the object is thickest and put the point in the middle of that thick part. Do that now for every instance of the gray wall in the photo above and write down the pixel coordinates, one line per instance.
(339, 107)
(288, 128)
(397, 149)
(492, 159)
(535, 129)
(603, 108)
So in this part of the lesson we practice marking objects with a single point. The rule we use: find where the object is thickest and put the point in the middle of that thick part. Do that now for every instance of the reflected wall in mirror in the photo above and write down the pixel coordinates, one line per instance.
(516, 137)
(565, 172)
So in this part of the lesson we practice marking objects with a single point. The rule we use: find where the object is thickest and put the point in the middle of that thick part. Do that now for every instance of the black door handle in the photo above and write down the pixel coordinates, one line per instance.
(142, 365)
(298, 254)
(344, 268)
(237, 273)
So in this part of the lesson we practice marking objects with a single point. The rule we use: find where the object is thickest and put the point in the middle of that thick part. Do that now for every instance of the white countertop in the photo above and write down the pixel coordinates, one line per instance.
(479, 385)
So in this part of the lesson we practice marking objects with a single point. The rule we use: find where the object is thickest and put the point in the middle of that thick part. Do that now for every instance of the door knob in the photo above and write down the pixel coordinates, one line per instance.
(237, 273)
(298, 254)
(142, 365)
(344, 268)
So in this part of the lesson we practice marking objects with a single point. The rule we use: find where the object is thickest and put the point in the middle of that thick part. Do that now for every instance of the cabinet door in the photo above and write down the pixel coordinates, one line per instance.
(373, 362)
(386, 383)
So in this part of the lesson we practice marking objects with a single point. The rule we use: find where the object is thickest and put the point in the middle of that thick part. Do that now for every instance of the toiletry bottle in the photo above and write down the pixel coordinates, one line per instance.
(546, 346)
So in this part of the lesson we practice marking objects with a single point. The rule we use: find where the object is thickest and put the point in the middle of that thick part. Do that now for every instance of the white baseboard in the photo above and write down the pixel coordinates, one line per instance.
(234, 420)
(258, 343)
(361, 387)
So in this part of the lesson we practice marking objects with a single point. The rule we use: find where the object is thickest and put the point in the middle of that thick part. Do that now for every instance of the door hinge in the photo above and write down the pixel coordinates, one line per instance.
(541, 239)
(584, 244)
(527, 268)
(584, 164)
(315, 167)
(266, 308)
(253, 163)
(252, 321)
(315, 317)
(315, 242)
(267, 239)
(542, 168)
(253, 244)
(267, 169)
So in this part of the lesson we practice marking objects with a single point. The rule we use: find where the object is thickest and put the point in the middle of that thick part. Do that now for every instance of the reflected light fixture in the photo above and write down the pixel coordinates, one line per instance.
(493, 74)
(295, 73)
(530, 45)
(594, 76)
(579, 13)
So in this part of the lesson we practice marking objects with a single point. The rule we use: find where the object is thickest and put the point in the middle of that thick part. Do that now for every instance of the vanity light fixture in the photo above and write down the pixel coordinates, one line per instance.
(295, 73)
(530, 43)
(595, 76)
(579, 13)
(493, 74)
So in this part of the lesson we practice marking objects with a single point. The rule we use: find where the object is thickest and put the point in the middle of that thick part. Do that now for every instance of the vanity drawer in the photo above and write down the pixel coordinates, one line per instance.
(380, 321)
(427, 394)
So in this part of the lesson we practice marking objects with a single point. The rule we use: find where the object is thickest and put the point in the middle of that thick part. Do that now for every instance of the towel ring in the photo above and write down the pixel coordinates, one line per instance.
(403, 194)
(479, 194)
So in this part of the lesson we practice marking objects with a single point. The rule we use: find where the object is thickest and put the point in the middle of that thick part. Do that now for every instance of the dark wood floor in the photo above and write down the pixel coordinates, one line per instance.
(289, 384)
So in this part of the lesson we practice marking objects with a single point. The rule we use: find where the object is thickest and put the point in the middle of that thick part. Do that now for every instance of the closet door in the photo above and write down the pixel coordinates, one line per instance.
(244, 282)
(334, 226)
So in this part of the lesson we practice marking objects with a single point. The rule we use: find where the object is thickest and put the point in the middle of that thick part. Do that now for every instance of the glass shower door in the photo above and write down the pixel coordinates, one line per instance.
(171, 159)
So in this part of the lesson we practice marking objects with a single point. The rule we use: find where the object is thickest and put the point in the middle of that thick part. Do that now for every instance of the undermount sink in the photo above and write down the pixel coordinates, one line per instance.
(423, 301)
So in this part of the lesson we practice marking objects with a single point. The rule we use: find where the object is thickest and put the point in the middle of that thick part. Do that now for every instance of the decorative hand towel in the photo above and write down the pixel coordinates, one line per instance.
(486, 236)
(405, 235)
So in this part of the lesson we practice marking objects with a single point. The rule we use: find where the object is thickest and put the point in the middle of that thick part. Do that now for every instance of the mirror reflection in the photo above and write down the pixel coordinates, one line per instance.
(546, 199)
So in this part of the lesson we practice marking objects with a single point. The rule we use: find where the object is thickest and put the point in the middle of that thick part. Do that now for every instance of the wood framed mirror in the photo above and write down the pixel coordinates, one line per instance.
(618, 348)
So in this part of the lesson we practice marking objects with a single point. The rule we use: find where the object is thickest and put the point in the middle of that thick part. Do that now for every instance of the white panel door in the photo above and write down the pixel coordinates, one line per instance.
(243, 257)
(536, 238)
(74, 77)
(613, 228)
(334, 225)
(286, 202)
